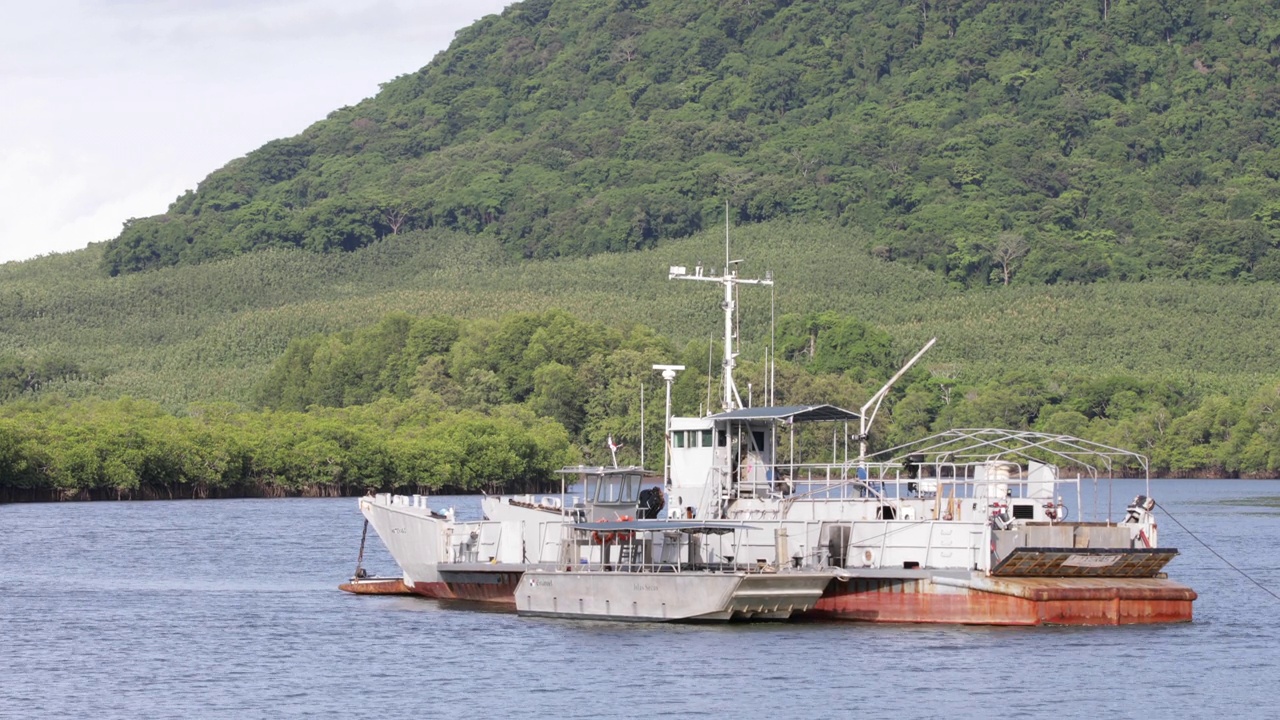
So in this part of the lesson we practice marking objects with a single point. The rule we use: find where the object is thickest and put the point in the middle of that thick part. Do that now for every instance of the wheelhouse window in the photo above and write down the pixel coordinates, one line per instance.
(706, 438)
(629, 490)
(612, 489)
(609, 489)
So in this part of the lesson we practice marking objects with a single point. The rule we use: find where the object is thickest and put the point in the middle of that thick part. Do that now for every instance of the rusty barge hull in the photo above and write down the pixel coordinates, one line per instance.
(376, 586)
(492, 584)
(499, 589)
(981, 600)
(473, 582)
(923, 598)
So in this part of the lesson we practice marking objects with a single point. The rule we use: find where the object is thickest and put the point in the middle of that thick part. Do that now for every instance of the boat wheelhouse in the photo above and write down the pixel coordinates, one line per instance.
(736, 455)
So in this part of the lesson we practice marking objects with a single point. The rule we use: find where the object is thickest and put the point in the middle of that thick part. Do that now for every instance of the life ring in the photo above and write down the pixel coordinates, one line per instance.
(624, 535)
(599, 539)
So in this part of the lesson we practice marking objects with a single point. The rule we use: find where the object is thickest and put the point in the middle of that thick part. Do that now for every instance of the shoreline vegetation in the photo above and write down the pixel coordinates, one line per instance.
(126, 449)
(430, 404)
(15, 495)
(52, 495)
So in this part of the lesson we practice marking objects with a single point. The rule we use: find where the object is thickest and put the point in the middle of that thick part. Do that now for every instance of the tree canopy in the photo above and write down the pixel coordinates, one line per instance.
(433, 402)
(988, 141)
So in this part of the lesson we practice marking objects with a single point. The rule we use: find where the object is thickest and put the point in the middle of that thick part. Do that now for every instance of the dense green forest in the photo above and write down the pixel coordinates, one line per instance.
(211, 332)
(432, 402)
(290, 372)
(990, 142)
(128, 448)
(460, 284)
(586, 376)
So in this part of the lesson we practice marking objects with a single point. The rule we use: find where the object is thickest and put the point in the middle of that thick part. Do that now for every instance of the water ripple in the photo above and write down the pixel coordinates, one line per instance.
(228, 609)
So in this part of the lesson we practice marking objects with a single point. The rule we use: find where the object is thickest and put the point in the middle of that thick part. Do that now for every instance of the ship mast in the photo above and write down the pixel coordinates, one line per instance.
(730, 399)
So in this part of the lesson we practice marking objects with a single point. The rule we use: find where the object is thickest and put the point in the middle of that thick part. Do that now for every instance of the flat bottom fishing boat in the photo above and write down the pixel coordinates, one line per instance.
(636, 571)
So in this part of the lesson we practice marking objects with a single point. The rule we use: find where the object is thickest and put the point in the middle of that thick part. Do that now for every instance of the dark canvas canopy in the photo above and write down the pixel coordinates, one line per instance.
(793, 413)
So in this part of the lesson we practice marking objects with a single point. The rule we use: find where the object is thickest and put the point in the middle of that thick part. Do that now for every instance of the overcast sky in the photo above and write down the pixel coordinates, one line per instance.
(109, 109)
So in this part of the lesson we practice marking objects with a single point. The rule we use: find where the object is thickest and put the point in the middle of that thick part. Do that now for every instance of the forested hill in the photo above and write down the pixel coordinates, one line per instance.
(993, 142)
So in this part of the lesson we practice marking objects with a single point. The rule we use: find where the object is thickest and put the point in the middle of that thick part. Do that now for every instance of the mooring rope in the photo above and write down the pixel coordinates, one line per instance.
(364, 534)
(1228, 563)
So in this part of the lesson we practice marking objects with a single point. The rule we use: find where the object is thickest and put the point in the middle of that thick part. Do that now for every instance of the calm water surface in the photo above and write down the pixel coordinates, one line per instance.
(229, 609)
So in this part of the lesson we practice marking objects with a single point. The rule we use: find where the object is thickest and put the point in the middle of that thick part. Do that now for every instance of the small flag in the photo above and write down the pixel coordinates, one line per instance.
(613, 450)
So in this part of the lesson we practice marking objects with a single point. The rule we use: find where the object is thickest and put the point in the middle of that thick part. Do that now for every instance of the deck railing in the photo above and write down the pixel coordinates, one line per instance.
(887, 481)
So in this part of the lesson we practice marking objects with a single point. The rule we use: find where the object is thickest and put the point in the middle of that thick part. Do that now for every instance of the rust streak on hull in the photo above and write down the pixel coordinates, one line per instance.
(433, 590)
(484, 586)
(485, 593)
(497, 588)
(1031, 601)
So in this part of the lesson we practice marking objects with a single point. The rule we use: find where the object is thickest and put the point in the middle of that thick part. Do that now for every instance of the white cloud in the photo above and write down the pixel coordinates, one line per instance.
(114, 107)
